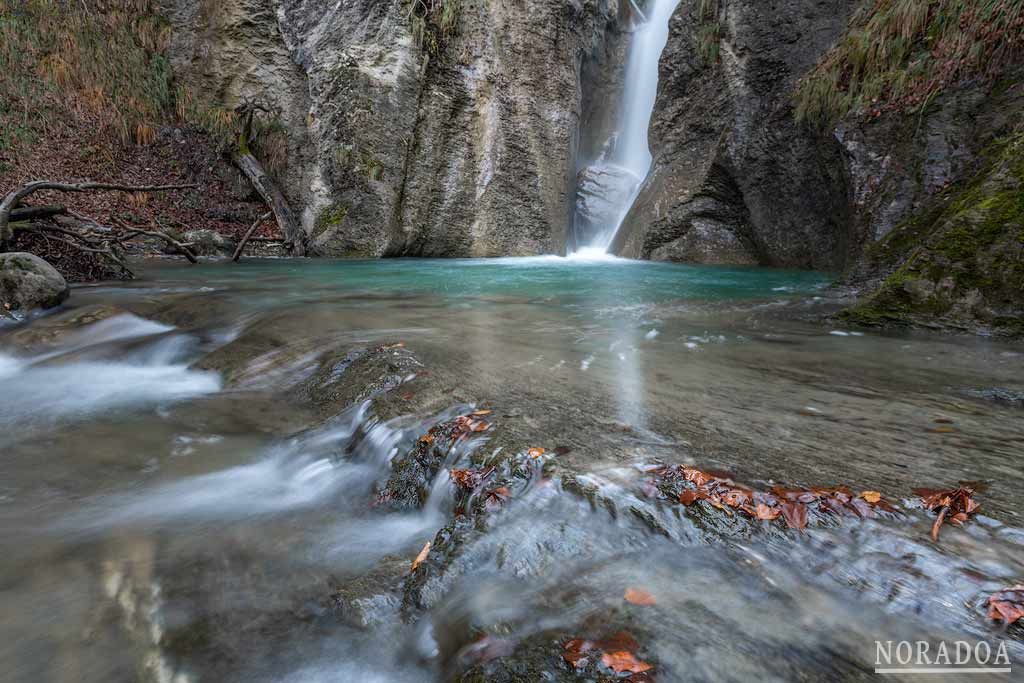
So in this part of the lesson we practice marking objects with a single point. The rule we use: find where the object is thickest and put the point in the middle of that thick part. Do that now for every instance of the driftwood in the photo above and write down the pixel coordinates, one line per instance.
(248, 235)
(14, 197)
(249, 165)
(34, 213)
(135, 231)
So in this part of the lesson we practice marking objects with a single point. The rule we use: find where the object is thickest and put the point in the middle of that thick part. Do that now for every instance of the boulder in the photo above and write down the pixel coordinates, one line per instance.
(209, 243)
(27, 282)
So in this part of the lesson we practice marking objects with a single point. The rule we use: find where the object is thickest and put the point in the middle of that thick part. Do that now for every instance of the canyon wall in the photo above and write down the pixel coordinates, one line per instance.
(404, 143)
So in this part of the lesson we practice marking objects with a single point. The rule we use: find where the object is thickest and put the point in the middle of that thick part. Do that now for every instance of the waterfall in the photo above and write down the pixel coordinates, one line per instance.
(609, 184)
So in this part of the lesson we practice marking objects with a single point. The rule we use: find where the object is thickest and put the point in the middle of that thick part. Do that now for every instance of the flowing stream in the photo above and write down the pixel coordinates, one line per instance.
(193, 466)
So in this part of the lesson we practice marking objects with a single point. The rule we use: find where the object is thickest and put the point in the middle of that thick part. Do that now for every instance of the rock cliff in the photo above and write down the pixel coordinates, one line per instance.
(407, 137)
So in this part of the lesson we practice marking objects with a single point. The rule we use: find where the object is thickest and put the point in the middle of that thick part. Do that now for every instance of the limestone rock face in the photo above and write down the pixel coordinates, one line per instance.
(396, 149)
(27, 283)
(728, 152)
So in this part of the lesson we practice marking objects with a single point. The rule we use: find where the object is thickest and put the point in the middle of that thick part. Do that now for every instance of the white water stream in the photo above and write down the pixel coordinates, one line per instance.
(609, 185)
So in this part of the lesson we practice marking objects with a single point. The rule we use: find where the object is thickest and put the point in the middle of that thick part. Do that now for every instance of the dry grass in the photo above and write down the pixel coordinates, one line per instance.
(100, 61)
(100, 66)
(709, 30)
(434, 23)
(899, 54)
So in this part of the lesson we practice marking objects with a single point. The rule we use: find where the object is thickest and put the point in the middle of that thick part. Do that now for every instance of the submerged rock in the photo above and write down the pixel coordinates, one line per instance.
(28, 283)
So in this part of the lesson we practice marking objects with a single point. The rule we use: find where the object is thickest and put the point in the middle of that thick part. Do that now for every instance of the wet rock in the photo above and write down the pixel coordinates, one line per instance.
(351, 376)
(52, 330)
(209, 243)
(1010, 397)
(396, 147)
(735, 179)
(28, 283)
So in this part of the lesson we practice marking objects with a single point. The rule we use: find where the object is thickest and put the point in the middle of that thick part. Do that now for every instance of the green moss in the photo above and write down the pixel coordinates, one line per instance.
(330, 218)
(965, 250)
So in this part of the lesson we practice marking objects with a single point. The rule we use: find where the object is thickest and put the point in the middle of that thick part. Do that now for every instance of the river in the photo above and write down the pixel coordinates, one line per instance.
(193, 465)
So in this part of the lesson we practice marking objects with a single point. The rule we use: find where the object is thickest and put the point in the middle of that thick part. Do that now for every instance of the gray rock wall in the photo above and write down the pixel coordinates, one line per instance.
(735, 178)
(469, 152)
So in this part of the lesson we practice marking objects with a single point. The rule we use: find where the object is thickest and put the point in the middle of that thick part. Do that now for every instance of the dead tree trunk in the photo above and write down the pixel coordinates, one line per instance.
(14, 197)
(267, 188)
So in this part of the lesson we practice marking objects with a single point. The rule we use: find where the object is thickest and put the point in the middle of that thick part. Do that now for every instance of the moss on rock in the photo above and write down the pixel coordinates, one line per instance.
(961, 264)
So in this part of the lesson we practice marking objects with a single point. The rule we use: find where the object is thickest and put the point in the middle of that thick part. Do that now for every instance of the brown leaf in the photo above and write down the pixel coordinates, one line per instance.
(795, 515)
(638, 596)
(482, 412)
(689, 497)
(576, 650)
(535, 452)
(562, 450)
(1007, 605)
(767, 513)
(481, 426)
(621, 661)
(419, 558)
(495, 498)
(871, 496)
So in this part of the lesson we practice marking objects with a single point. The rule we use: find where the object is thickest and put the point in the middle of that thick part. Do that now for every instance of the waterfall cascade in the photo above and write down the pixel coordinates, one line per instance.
(607, 186)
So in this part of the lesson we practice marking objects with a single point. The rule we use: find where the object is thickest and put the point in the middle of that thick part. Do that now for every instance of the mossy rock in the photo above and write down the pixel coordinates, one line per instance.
(959, 265)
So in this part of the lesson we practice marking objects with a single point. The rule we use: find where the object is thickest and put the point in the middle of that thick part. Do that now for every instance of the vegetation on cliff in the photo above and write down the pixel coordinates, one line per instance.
(963, 262)
(899, 54)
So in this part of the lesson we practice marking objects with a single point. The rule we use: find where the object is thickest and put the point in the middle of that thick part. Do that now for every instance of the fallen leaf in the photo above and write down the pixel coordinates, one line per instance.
(942, 429)
(481, 426)
(562, 450)
(953, 504)
(483, 412)
(407, 396)
(427, 438)
(1007, 605)
(419, 558)
(794, 514)
(623, 661)
(871, 496)
(638, 596)
(535, 452)
(765, 512)
(495, 498)
(688, 497)
(576, 650)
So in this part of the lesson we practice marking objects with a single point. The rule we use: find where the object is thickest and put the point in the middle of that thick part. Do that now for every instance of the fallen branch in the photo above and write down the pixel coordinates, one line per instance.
(34, 213)
(181, 247)
(84, 241)
(248, 235)
(266, 187)
(15, 197)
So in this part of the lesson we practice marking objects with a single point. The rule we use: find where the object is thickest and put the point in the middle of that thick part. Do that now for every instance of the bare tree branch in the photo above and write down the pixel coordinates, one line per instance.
(248, 235)
(14, 197)
(179, 246)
